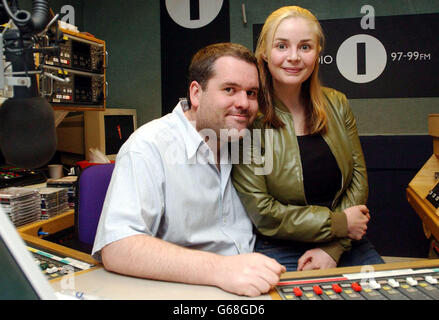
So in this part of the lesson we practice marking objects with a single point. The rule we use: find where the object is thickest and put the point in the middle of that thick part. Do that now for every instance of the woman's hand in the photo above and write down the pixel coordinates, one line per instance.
(357, 217)
(315, 259)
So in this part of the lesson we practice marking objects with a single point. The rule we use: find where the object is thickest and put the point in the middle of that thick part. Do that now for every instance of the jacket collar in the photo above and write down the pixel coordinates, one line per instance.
(279, 105)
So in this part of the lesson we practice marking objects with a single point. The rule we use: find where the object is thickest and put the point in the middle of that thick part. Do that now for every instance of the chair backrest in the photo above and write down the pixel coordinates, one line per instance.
(92, 188)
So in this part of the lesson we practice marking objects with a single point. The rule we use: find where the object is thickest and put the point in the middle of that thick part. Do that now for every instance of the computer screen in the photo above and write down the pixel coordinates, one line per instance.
(108, 130)
(118, 128)
(13, 283)
(20, 277)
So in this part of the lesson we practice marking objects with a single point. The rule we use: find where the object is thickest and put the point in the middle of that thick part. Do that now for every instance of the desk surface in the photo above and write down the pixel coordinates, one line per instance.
(102, 284)
(108, 285)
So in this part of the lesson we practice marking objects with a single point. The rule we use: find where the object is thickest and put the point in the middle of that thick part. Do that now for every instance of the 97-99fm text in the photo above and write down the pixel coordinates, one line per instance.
(410, 56)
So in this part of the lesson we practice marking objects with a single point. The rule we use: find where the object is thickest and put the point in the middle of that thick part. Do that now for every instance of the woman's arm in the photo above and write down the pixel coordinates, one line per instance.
(306, 223)
(358, 189)
(310, 223)
(356, 192)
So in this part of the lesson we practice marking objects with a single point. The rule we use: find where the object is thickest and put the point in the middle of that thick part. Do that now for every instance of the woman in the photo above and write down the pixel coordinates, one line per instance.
(310, 210)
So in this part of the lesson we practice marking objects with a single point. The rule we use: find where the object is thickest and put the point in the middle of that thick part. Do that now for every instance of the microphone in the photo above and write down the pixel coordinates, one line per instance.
(27, 132)
(27, 121)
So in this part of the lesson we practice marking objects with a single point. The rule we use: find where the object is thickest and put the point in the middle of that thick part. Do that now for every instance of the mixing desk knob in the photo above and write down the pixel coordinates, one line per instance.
(297, 292)
(374, 285)
(356, 287)
(393, 283)
(411, 281)
(431, 280)
(317, 290)
(336, 288)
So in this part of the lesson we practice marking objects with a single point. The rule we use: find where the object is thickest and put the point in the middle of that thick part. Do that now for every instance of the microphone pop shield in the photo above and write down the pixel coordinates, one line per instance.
(27, 132)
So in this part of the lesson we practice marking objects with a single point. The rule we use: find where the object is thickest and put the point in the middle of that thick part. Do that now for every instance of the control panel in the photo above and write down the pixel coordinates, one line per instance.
(73, 77)
(54, 266)
(83, 88)
(79, 54)
(433, 196)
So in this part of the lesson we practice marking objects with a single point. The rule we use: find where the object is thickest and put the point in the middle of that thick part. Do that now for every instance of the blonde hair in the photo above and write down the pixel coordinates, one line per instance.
(311, 88)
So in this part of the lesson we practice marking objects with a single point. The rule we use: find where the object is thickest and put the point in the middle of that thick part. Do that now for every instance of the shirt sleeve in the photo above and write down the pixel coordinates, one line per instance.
(134, 203)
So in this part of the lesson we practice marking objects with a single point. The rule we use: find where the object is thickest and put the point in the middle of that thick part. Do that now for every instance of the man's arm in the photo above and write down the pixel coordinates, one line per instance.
(148, 257)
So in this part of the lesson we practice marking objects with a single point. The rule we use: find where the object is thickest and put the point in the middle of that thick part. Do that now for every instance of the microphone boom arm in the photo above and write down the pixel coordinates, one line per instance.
(10, 81)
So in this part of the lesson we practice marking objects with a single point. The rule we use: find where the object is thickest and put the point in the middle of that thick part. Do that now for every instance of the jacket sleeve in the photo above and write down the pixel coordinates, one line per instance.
(357, 191)
(271, 217)
(335, 248)
(307, 223)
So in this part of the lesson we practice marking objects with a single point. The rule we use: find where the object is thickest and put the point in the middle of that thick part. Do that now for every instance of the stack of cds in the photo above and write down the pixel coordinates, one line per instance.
(68, 182)
(22, 205)
(53, 201)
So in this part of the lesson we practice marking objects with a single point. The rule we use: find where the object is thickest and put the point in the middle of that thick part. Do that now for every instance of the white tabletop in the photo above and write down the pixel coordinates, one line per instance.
(102, 284)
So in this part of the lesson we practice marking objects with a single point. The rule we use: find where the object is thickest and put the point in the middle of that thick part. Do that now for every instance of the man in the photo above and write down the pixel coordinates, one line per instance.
(171, 212)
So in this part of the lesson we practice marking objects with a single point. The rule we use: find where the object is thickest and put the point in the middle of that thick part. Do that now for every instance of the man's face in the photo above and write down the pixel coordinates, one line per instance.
(229, 100)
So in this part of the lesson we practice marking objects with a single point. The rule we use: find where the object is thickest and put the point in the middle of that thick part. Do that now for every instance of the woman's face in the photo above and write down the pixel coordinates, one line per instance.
(293, 52)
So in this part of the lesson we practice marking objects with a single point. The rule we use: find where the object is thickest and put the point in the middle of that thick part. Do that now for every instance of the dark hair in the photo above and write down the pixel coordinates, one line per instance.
(202, 69)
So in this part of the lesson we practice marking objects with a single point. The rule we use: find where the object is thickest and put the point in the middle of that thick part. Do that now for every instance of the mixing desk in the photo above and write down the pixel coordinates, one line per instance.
(54, 266)
(409, 281)
(56, 261)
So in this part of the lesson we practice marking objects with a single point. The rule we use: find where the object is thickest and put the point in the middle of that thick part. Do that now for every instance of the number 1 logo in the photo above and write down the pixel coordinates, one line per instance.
(361, 58)
(193, 14)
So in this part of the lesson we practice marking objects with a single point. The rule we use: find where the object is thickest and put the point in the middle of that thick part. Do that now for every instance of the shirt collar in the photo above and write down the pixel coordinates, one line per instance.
(194, 141)
(191, 137)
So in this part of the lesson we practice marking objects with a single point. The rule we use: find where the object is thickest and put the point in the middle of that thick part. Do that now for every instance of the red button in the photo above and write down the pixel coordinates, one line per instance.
(336, 288)
(356, 287)
(297, 292)
(317, 290)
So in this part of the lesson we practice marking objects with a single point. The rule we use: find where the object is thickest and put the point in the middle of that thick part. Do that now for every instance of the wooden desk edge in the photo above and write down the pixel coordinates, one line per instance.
(427, 263)
(75, 254)
(57, 223)
(425, 211)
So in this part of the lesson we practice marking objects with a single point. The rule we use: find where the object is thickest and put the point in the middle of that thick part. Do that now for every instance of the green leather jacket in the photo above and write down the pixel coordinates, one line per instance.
(276, 201)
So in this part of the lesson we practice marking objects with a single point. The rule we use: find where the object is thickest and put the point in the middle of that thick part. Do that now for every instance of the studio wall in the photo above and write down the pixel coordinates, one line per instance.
(393, 129)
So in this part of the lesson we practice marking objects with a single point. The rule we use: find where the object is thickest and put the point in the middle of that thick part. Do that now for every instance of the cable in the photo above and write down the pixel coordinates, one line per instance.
(26, 22)
(8, 10)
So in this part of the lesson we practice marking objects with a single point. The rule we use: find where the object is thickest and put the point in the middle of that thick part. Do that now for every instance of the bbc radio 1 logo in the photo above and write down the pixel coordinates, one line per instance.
(193, 14)
(360, 58)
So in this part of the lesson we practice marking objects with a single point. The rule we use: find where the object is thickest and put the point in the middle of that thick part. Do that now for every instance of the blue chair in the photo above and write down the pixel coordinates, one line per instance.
(90, 195)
